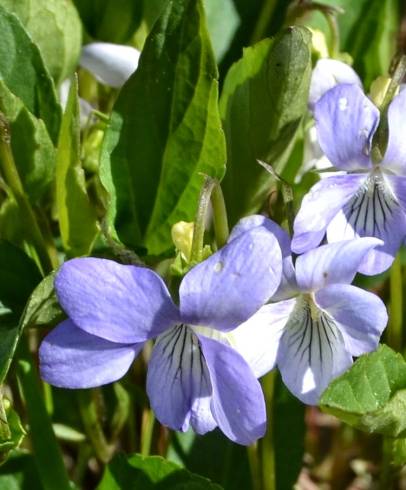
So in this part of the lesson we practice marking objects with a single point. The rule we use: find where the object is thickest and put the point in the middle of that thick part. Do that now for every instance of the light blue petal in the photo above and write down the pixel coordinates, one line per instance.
(238, 404)
(72, 358)
(287, 287)
(395, 155)
(232, 284)
(120, 303)
(346, 121)
(335, 263)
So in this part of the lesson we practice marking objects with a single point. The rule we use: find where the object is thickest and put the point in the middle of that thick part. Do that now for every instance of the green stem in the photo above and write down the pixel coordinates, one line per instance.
(219, 216)
(394, 335)
(147, 431)
(90, 418)
(386, 475)
(335, 33)
(14, 183)
(255, 466)
(263, 21)
(380, 140)
(47, 453)
(196, 254)
(267, 443)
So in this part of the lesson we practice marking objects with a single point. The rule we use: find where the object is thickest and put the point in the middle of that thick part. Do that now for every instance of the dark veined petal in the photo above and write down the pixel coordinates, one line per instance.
(360, 315)
(238, 404)
(319, 206)
(374, 211)
(71, 358)
(121, 303)
(346, 121)
(178, 382)
(232, 284)
(335, 263)
(312, 352)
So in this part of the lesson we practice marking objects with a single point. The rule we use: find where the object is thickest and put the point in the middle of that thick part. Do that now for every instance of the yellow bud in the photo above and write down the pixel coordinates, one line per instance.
(319, 43)
(182, 236)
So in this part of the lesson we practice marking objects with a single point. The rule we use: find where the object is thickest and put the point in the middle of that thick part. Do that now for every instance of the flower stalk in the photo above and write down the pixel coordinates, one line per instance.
(394, 335)
(12, 178)
(196, 255)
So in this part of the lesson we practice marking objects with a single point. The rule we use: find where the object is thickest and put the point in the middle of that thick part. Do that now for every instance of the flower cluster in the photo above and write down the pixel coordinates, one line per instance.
(253, 304)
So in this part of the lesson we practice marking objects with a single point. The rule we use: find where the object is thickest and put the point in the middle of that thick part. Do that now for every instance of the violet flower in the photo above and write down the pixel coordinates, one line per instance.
(318, 321)
(365, 199)
(194, 377)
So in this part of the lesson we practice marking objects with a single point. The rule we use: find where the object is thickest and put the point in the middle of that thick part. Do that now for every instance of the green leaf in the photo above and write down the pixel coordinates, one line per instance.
(60, 41)
(371, 396)
(165, 131)
(262, 103)
(23, 71)
(45, 447)
(77, 217)
(150, 473)
(43, 309)
(33, 151)
(19, 276)
(110, 20)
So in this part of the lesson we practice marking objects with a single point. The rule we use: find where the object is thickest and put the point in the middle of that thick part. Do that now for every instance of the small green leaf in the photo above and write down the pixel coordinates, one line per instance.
(371, 396)
(60, 42)
(43, 309)
(11, 430)
(263, 101)
(165, 131)
(33, 151)
(77, 217)
(150, 473)
(23, 71)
